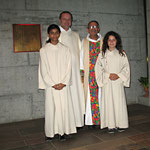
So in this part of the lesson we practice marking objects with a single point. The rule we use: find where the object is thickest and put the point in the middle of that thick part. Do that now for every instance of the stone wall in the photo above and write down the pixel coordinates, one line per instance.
(148, 37)
(20, 98)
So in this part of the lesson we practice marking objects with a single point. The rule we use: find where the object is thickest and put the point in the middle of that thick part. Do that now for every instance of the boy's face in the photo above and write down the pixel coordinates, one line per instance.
(93, 29)
(112, 42)
(54, 35)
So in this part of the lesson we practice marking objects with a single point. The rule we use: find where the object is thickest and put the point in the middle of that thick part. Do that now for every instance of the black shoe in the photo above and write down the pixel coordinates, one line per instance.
(111, 131)
(79, 128)
(48, 139)
(62, 138)
(93, 126)
(90, 127)
(120, 130)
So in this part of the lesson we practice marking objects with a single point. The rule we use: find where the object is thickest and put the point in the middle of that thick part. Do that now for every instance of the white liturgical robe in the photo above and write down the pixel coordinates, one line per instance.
(54, 68)
(72, 40)
(113, 102)
(84, 65)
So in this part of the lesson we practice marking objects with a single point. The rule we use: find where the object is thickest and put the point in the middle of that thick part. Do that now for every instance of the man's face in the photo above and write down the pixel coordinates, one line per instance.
(65, 21)
(93, 28)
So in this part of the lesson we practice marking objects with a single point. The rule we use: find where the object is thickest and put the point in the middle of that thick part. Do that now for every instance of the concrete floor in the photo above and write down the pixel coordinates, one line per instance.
(29, 135)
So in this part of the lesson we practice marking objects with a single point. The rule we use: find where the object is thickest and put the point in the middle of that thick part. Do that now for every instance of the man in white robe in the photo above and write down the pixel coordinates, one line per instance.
(87, 63)
(54, 68)
(72, 40)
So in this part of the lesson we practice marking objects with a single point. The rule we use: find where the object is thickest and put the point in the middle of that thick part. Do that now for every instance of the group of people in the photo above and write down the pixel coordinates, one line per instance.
(100, 99)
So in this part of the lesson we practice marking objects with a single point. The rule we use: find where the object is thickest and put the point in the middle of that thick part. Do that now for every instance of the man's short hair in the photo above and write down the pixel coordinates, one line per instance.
(91, 22)
(66, 12)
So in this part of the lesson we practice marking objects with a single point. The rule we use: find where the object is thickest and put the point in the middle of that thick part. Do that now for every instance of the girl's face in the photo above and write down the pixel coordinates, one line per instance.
(54, 36)
(112, 42)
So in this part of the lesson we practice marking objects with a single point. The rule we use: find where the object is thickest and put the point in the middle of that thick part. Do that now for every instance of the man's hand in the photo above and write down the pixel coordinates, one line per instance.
(113, 76)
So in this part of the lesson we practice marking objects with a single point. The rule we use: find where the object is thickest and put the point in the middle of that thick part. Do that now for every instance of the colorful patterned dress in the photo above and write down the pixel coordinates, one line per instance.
(94, 50)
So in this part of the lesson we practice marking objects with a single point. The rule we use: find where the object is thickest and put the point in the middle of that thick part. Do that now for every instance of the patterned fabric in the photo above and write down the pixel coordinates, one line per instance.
(93, 54)
(81, 71)
(82, 75)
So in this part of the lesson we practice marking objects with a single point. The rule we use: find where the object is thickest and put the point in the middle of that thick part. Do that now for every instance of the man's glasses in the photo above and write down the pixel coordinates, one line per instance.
(93, 27)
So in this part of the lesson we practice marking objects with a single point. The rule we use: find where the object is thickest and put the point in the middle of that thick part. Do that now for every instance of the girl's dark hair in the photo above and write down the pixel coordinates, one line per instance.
(66, 12)
(118, 44)
(91, 22)
(51, 27)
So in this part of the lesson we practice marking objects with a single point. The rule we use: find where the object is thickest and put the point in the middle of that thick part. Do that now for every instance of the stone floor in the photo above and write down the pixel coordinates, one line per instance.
(29, 135)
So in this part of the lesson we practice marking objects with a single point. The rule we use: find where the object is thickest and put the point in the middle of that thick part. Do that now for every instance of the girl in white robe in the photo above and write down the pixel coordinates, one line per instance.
(54, 77)
(112, 74)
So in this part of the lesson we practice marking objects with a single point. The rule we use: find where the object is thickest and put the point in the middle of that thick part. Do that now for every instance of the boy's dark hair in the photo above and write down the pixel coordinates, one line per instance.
(118, 44)
(66, 12)
(51, 27)
(91, 22)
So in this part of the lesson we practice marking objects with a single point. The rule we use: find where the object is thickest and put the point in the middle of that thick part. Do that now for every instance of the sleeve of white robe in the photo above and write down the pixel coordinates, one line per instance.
(67, 77)
(102, 77)
(44, 76)
(81, 57)
(77, 37)
(79, 43)
(125, 71)
(41, 83)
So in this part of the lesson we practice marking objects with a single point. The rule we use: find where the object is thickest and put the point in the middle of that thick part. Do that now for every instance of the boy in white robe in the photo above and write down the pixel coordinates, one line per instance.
(112, 74)
(54, 77)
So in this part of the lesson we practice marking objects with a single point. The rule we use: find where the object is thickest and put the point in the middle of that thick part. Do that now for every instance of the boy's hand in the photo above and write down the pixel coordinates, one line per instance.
(59, 86)
(55, 86)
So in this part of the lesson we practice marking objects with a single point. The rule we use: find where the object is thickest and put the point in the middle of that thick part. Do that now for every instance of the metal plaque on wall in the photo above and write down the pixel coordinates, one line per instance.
(26, 37)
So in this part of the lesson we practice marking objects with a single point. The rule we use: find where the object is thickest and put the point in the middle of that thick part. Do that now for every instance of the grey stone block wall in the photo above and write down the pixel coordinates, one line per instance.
(148, 36)
(20, 98)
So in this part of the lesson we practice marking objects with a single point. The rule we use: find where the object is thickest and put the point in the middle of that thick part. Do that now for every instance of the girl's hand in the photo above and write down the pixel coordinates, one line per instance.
(113, 76)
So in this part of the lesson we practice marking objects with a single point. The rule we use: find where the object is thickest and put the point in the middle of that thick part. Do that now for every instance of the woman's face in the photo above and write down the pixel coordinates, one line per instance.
(54, 36)
(112, 42)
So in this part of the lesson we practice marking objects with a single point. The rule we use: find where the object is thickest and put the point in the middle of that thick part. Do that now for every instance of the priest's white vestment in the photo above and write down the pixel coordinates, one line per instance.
(72, 40)
(84, 65)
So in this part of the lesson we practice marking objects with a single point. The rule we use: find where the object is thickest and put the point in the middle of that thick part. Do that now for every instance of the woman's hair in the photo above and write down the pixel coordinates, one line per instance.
(118, 44)
(51, 27)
